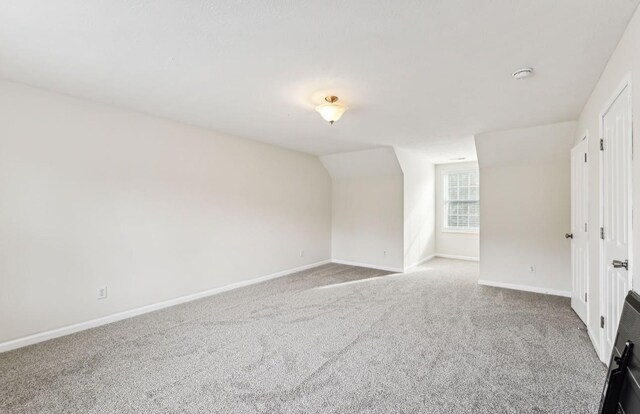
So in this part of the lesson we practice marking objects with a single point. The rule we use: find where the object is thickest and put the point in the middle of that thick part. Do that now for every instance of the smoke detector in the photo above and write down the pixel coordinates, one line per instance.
(522, 73)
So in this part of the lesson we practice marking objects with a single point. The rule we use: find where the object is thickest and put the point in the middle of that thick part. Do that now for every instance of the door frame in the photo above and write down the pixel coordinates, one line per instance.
(622, 86)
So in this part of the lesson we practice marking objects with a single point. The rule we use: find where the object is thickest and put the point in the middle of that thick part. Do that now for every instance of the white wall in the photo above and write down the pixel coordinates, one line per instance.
(450, 243)
(419, 206)
(367, 208)
(367, 221)
(91, 195)
(383, 207)
(525, 207)
(624, 61)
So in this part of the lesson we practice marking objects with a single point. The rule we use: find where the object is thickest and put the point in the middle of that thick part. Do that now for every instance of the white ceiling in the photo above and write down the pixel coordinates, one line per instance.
(420, 74)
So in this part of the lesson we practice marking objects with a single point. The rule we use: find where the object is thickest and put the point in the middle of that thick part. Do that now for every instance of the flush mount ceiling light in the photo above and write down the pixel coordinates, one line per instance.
(522, 73)
(332, 110)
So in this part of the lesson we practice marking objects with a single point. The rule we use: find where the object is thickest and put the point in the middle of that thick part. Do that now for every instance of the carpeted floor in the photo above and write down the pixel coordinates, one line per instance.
(334, 339)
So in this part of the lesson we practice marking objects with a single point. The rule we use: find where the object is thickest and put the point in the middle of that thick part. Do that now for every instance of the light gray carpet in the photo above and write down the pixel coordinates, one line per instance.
(334, 339)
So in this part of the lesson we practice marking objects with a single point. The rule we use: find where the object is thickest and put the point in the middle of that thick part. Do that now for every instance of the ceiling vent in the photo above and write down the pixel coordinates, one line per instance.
(522, 73)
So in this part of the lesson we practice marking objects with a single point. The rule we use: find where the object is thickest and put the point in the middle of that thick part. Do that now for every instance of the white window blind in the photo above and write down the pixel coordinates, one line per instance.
(462, 200)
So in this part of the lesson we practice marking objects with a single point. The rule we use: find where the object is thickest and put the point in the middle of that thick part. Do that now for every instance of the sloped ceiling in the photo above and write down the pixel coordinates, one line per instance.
(541, 144)
(366, 163)
(421, 74)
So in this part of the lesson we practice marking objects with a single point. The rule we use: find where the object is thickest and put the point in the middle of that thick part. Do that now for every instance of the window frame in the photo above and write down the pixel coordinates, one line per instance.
(444, 182)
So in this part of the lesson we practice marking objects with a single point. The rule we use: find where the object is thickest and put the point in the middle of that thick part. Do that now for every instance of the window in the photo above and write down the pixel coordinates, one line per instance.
(461, 201)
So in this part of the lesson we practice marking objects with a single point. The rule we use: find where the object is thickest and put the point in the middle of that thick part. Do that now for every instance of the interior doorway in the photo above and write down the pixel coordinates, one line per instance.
(579, 229)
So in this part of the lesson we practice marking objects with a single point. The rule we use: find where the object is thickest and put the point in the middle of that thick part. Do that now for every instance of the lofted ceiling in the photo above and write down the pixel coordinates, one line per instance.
(421, 74)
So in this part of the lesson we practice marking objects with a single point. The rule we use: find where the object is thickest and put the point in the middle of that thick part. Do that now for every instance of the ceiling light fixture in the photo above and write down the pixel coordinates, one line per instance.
(332, 110)
(522, 73)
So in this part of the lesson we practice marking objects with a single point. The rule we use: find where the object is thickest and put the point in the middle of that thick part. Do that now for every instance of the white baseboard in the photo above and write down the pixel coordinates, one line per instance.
(372, 266)
(452, 256)
(425, 260)
(596, 346)
(66, 330)
(525, 288)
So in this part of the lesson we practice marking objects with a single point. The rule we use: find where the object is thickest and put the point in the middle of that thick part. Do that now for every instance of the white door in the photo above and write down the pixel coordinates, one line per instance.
(578, 235)
(615, 278)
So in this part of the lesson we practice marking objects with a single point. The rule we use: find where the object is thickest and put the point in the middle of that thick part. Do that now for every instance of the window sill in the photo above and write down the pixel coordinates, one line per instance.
(462, 231)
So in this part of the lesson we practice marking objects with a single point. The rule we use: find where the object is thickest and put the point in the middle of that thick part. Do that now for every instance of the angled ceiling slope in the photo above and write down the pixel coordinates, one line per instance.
(541, 144)
(365, 163)
(418, 74)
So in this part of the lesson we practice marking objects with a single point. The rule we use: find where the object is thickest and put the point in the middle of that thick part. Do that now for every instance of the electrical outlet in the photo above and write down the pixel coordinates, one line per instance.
(532, 269)
(101, 293)
(301, 253)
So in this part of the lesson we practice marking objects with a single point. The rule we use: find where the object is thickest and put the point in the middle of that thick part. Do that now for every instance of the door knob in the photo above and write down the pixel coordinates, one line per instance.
(568, 236)
(619, 263)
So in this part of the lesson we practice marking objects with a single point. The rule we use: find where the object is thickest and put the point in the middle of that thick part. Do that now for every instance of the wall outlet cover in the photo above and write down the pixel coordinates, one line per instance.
(101, 293)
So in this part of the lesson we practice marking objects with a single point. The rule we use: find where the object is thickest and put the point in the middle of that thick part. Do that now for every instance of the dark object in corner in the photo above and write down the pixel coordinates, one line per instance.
(621, 393)
(615, 381)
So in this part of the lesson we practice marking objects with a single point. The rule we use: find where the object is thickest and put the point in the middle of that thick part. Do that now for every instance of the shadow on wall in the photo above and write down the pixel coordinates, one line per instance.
(419, 206)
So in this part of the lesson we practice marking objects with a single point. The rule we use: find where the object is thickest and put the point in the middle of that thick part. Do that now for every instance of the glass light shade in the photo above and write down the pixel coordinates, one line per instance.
(331, 112)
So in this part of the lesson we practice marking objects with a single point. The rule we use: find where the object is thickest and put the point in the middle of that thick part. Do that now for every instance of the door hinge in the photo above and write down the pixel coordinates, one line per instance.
(602, 321)
(585, 296)
(602, 233)
(602, 145)
(585, 157)
(585, 227)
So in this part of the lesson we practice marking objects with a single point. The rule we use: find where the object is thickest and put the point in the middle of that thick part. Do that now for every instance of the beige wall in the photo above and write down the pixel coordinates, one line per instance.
(419, 206)
(367, 208)
(625, 61)
(383, 207)
(524, 227)
(367, 220)
(454, 244)
(525, 207)
(91, 196)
